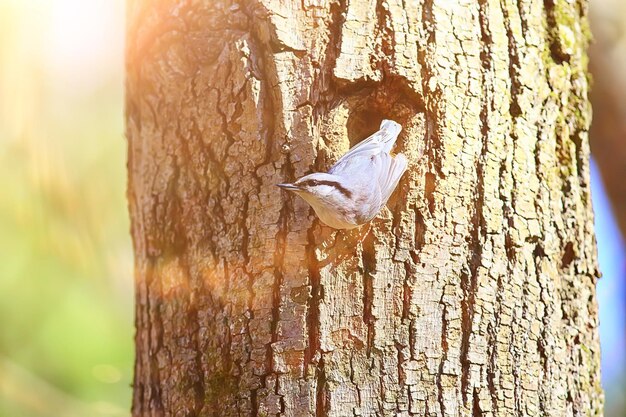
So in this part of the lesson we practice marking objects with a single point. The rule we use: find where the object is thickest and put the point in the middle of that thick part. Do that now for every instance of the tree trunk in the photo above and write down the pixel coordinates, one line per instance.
(472, 293)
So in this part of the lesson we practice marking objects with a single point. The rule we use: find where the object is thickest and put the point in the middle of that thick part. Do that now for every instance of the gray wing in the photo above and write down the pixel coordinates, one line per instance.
(391, 172)
(379, 177)
(381, 141)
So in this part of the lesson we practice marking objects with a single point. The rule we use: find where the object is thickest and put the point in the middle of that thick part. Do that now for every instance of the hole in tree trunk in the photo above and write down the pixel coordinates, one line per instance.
(362, 124)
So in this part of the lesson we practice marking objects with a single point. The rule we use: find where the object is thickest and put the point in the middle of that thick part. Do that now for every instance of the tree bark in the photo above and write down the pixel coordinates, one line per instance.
(473, 293)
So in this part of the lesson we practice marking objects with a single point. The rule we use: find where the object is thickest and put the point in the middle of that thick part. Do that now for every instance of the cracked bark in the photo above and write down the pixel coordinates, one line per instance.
(472, 294)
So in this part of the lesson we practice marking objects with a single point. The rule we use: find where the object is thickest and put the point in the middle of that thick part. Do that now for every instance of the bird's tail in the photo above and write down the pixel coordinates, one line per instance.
(381, 141)
(389, 131)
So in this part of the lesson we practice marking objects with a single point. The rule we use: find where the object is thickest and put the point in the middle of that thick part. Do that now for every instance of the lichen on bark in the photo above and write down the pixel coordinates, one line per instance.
(473, 292)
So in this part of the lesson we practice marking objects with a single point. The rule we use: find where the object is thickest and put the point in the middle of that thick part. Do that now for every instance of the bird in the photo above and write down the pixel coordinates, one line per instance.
(358, 185)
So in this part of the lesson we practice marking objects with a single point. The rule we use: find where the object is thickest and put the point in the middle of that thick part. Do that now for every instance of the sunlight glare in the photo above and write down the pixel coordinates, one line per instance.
(84, 41)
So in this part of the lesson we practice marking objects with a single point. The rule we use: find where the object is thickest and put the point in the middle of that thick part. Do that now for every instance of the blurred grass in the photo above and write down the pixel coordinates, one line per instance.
(66, 259)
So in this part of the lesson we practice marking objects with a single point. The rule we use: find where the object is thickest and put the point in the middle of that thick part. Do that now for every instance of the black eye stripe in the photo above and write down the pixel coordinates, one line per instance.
(339, 187)
(309, 183)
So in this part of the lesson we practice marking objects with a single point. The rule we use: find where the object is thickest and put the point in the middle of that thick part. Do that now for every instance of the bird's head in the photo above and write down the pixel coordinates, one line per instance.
(329, 196)
(320, 186)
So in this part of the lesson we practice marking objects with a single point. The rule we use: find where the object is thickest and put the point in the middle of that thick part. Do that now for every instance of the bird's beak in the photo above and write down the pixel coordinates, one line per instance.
(289, 187)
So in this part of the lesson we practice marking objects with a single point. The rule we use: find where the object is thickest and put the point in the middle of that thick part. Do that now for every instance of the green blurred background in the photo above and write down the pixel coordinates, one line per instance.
(66, 290)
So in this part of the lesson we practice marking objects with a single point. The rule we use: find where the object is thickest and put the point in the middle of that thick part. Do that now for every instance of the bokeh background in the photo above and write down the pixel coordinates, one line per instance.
(66, 291)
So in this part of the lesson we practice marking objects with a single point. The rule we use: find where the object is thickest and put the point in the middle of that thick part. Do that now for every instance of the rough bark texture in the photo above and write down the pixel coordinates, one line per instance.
(472, 294)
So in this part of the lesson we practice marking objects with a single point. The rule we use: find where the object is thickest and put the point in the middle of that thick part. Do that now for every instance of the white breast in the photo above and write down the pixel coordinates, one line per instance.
(331, 217)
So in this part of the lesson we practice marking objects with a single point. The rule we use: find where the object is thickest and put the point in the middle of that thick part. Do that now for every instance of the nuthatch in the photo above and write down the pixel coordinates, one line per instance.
(357, 187)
